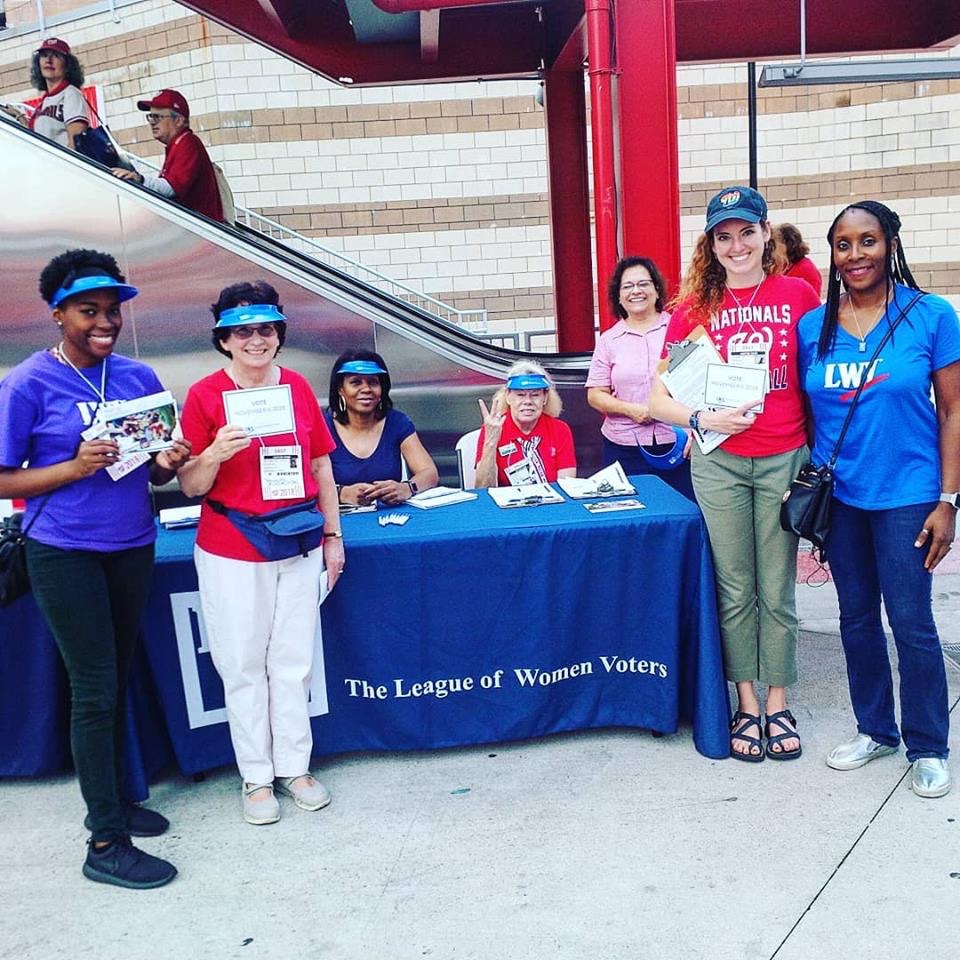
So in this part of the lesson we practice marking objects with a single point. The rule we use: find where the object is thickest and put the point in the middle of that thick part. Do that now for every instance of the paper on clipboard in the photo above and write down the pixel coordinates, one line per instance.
(684, 374)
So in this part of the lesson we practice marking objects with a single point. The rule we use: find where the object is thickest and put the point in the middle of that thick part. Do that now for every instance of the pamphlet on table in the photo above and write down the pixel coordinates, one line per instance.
(440, 497)
(609, 482)
(531, 495)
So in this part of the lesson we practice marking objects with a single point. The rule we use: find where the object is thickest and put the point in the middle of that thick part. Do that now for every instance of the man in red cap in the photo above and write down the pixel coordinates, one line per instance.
(187, 174)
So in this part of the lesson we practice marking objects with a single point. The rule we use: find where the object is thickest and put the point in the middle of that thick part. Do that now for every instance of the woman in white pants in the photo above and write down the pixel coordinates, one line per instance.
(261, 613)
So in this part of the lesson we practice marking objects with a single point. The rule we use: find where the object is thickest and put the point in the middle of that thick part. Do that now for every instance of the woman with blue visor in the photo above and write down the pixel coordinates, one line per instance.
(374, 440)
(260, 599)
(90, 536)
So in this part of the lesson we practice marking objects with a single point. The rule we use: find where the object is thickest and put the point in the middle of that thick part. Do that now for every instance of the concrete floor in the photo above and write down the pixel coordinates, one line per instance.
(601, 845)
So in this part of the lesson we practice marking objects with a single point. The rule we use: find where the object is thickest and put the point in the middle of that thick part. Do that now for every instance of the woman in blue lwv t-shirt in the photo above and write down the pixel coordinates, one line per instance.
(896, 482)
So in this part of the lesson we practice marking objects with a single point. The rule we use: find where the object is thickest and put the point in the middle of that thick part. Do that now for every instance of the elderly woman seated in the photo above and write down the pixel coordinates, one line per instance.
(522, 441)
(372, 437)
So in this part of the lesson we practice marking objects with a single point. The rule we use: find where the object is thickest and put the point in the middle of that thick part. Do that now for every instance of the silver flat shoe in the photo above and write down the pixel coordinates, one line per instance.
(307, 792)
(857, 752)
(931, 777)
(263, 810)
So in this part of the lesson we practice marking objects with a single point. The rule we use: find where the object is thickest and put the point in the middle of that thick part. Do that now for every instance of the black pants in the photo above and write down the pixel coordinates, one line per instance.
(92, 603)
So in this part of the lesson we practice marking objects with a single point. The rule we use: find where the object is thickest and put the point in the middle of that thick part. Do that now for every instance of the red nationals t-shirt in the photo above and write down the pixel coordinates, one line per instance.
(770, 319)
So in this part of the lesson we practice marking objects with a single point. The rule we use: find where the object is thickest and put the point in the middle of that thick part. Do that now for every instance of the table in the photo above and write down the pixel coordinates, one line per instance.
(469, 624)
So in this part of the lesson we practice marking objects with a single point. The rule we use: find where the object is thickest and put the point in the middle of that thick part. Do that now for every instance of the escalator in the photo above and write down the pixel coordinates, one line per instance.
(57, 200)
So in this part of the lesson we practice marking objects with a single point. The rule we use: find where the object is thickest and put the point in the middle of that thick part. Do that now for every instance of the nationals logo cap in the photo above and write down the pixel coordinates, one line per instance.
(57, 46)
(169, 100)
(735, 203)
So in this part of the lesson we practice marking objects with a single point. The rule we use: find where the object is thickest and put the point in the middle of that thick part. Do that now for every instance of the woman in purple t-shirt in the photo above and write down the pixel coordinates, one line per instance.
(90, 535)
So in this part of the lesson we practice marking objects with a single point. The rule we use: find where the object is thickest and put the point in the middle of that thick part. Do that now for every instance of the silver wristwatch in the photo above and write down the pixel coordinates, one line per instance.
(952, 498)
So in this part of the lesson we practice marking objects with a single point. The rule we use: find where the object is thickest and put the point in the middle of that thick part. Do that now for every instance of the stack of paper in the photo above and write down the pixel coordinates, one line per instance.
(530, 495)
(176, 517)
(609, 482)
(440, 497)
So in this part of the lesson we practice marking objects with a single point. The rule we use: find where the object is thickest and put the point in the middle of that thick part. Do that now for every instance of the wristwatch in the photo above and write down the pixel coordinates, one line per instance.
(952, 498)
(412, 484)
(332, 534)
(695, 422)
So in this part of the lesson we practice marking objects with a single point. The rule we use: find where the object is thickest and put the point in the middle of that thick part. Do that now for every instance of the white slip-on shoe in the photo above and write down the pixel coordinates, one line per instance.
(307, 792)
(857, 752)
(262, 809)
(931, 777)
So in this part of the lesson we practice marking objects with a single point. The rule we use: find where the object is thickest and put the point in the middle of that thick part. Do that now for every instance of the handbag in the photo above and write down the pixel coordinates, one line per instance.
(97, 144)
(279, 534)
(805, 508)
(14, 579)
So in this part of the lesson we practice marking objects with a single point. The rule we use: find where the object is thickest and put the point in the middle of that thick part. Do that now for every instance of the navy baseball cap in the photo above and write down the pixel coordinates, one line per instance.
(250, 313)
(735, 203)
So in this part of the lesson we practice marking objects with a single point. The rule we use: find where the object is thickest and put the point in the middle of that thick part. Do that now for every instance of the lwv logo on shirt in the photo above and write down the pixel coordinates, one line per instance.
(848, 376)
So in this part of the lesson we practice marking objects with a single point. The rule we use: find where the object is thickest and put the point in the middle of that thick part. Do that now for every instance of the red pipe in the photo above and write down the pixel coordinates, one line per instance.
(604, 160)
(405, 6)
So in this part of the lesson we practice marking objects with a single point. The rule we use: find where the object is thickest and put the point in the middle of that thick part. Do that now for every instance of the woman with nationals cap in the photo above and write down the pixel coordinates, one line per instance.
(62, 111)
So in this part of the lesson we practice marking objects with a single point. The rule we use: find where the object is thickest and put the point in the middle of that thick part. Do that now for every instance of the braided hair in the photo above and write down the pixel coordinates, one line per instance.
(896, 269)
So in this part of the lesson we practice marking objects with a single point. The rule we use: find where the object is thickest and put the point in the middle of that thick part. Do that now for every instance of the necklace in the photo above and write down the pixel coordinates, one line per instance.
(102, 392)
(753, 296)
(862, 347)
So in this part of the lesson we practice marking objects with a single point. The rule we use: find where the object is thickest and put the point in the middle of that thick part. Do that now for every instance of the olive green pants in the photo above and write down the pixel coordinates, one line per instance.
(754, 560)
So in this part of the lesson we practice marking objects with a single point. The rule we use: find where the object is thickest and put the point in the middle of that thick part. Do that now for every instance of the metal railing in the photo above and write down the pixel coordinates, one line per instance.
(472, 321)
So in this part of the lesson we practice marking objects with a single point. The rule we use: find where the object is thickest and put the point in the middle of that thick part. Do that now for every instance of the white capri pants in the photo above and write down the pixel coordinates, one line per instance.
(261, 620)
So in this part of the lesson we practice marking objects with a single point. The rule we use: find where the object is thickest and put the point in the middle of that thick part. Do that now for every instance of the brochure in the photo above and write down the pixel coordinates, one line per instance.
(609, 482)
(144, 425)
(440, 497)
(612, 506)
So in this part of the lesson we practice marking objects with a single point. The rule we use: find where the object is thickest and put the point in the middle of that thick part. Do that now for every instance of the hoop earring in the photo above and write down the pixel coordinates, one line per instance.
(341, 404)
(838, 276)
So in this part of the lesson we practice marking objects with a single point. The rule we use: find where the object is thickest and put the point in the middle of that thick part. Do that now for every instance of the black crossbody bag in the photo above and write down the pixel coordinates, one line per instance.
(805, 508)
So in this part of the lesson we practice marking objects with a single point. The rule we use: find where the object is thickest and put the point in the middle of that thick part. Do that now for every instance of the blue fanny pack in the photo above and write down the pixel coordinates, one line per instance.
(279, 534)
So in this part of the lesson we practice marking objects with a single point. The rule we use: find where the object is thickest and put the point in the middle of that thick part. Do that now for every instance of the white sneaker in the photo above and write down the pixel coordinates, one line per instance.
(931, 777)
(264, 808)
(307, 793)
(857, 752)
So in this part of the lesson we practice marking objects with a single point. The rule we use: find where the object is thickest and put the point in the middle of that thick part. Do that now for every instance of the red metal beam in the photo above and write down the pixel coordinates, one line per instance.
(649, 161)
(569, 190)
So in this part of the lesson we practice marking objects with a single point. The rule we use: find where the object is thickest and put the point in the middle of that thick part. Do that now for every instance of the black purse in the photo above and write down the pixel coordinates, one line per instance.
(805, 508)
(14, 579)
(97, 144)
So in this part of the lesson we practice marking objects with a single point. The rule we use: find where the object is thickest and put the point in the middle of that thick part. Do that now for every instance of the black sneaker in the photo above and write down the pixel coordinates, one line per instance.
(123, 865)
(141, 822)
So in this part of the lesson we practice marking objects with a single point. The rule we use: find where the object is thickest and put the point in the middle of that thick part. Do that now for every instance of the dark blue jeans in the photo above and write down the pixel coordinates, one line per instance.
(633, 463)
(92, 603)
(871, 554)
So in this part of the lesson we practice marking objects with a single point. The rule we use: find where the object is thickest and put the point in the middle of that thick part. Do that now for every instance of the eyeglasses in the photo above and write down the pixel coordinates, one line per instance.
(263, 330)
(157, 117)
(635, 285)
(529, 394)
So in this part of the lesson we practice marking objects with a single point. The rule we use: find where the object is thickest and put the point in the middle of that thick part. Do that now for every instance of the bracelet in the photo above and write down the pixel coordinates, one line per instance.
(332, 534)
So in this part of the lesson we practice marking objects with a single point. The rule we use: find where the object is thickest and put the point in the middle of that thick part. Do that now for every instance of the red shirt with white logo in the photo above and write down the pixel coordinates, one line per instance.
(768, 318)
(548, 447)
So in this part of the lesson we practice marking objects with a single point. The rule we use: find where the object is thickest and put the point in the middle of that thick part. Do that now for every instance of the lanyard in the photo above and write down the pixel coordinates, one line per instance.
(101, 394)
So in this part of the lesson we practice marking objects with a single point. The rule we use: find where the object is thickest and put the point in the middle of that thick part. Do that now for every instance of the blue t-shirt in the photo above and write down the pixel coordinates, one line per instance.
(44, 407)
(890, 455)
(382, 464)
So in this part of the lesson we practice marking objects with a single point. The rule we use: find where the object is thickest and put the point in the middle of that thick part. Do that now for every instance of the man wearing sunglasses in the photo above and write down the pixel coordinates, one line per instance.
(187, 175)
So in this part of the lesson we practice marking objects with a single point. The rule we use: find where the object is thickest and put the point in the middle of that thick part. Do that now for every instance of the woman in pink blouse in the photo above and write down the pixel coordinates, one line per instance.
(622, 373)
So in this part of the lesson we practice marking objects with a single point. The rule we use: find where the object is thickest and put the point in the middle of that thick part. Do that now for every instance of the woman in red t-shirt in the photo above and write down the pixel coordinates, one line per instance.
(794, 250)
(732, 289)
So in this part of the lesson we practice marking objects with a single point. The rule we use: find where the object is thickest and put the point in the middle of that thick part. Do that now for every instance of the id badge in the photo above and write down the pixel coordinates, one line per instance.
(281, 473)
(521, 474)
(753, 352)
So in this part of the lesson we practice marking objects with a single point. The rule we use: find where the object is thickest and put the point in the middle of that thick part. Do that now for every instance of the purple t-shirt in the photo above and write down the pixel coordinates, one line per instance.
(44, 407)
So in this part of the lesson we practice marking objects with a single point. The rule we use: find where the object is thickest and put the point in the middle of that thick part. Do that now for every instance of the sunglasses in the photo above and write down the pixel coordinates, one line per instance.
(263, 330)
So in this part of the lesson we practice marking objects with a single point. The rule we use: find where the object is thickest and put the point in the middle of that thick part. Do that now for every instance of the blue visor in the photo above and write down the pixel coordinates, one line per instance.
(98, 282)
(528, 381)
(253, 313)
(364, 367)
(672, 458)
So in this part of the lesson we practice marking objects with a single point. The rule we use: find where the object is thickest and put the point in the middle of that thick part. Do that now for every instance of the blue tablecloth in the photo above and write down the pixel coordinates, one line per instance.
(469, 624)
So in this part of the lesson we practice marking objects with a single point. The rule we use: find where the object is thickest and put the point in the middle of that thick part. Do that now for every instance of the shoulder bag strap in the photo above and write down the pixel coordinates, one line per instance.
(863, 380)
